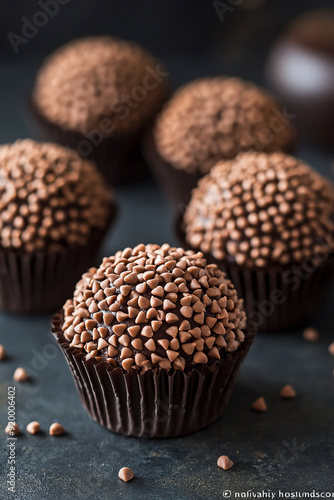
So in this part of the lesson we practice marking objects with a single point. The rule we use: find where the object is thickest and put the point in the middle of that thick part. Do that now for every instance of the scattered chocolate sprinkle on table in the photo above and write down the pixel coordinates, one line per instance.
(3, 354)
(287, 392)
(311, 334)
(13, 429)
(20, 375)
(126, 474)
(33, 427)
(259, 405)
(224, 462)
(331, 348)
(56, 429)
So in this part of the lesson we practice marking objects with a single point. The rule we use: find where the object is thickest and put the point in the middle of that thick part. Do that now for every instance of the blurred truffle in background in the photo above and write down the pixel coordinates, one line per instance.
(300, 69)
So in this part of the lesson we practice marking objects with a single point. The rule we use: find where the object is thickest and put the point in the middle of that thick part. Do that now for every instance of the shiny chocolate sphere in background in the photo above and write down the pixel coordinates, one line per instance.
(300, 70)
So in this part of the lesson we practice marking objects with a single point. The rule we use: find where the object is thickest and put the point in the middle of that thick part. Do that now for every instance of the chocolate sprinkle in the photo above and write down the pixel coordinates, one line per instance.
(260, 405)
(33, 427)
(126, 474)
(13, 429)
(287, 392)
(20, 375)
(224, 462)
(56, 429)
(3, 354)
(311, 334)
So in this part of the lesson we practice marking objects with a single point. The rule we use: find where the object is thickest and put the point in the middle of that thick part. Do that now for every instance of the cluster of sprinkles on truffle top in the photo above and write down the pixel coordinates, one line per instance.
(155, 307)
(92, 78)
(216, 118)
(260, 209)
(49, 197)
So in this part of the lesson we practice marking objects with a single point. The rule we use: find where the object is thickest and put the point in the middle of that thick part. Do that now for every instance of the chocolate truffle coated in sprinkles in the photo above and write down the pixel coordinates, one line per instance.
(216, 118)
(87, 84)
(259, 209)
(148, 325)
(49, 197)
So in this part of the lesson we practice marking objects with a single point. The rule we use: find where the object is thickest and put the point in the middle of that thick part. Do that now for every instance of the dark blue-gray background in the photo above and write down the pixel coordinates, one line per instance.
(290, 447)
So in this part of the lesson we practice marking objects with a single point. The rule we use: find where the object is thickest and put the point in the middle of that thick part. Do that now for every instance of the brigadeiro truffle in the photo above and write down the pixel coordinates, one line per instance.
(301, 70)
(154, 338)
(97, 95)
(266, 219)
(210, 120)
(54, 212)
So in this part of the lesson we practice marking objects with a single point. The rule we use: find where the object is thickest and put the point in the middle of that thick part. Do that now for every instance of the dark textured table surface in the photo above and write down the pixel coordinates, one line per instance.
(288, 449)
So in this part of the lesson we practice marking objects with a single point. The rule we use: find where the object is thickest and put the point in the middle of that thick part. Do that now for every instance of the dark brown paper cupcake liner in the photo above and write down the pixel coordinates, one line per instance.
(42, 281)
(276, 297)
(119, 159)
(155, 403)
(176, 183)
